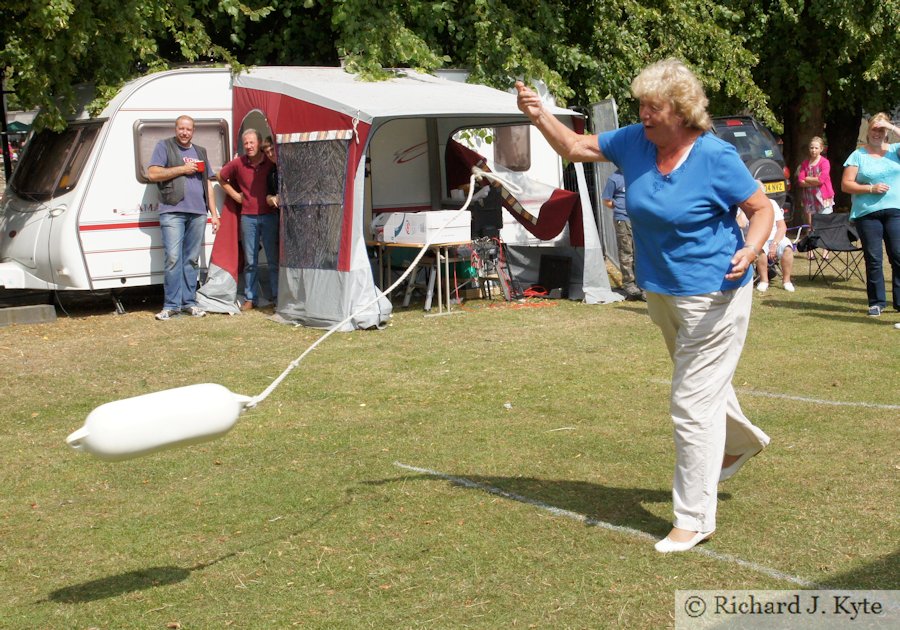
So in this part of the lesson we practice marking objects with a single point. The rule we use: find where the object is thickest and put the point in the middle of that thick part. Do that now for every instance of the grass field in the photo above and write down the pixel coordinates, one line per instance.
(446, 472)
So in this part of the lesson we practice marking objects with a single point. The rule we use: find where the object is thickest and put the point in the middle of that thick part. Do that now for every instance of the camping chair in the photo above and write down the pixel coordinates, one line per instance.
(832, 239)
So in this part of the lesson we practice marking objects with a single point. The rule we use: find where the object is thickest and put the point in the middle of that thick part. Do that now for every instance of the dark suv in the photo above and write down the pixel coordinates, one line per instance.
(760, 152)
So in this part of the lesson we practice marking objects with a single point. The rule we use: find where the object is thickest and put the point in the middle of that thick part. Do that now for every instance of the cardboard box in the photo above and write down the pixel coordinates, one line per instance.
(419, 227)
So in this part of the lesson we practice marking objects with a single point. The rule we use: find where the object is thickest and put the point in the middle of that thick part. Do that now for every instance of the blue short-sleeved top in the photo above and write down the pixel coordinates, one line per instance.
(615, 191)
(684, 223)
(875, 170)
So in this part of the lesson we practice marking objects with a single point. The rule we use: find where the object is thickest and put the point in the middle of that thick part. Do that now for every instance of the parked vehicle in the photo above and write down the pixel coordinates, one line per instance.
(760, 152)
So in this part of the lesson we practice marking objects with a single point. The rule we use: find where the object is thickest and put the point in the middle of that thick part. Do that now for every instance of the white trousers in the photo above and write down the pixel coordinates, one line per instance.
(704, 335)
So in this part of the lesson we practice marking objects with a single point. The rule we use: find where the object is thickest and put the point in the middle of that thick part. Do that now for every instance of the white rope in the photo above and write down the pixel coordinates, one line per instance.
(477, 173)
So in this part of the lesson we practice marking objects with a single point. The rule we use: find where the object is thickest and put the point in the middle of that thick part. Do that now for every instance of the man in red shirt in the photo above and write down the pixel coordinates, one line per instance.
(245, 180)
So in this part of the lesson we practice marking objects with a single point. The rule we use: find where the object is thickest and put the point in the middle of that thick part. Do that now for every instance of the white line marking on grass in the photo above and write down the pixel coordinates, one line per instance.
(593, 522)
(817, 401)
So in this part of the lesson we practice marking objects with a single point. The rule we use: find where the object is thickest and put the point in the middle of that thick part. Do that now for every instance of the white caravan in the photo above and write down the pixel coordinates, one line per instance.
(79, 212)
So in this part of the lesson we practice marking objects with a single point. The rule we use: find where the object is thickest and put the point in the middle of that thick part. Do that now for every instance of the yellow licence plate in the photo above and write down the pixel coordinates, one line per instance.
(774, 187)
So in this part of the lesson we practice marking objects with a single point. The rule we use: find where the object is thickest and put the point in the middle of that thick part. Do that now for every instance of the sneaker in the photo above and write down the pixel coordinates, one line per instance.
(166, 314)
(195, 311)
(789, 287)
(762, 287)
(874, 311)
(247, 306)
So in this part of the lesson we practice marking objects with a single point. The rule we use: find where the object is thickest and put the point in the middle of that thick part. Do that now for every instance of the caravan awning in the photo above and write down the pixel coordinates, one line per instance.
(409, 95)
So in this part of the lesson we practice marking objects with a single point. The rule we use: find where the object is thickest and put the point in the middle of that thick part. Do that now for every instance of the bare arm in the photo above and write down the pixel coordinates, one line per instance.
(850, 185)
(804, 180)
(570, 145)
(211, 199)
(163, 173)
(759, 211)
(229, 190)
(780, 231)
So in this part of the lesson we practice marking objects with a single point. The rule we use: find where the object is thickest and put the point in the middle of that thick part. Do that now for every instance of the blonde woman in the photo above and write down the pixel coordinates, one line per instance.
(683, 186)
(872, 176)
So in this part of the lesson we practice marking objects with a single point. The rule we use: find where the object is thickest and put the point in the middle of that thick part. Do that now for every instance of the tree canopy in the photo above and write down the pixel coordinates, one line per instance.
(823, 64)
(49, 46)
(795, 64)
(583, 52)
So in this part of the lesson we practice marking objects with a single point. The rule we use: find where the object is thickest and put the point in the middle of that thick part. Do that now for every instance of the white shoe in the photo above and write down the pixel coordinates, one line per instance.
(730, 471)
(762, 287)
(789, 287)
(667, 545)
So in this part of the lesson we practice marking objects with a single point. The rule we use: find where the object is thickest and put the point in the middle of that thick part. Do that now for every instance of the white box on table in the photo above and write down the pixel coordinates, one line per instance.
(419, 227)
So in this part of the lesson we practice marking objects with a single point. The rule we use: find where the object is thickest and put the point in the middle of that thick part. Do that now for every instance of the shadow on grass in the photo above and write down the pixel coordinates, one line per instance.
(85, 303)
(638, 310)
(831, 308)
(883, 573)
(622, 507)
(854, 315)
(143, 579)
(115, 585)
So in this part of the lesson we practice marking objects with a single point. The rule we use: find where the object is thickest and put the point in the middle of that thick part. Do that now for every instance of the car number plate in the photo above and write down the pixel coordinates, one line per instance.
(774, 187)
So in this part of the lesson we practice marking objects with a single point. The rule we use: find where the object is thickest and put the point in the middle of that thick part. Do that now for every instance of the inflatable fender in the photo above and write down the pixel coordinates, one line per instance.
(153, 422)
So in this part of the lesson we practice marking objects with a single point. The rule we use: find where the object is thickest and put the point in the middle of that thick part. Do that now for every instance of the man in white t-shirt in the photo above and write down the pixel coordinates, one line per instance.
(777, 247)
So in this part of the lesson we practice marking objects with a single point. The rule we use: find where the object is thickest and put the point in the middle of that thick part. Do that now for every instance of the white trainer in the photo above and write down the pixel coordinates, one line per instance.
(789, 287)
(762, 287)
(667, 545)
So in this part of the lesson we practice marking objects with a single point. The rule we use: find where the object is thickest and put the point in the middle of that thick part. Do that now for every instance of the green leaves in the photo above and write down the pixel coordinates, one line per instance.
(750, 55)
(53, 47)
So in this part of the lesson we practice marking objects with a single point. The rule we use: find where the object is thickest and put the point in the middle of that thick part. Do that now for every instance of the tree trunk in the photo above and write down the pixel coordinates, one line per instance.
(804, 118)
(843, 130)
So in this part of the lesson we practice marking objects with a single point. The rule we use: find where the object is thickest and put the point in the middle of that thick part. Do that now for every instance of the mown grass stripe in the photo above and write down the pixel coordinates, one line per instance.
(815, 401)
(592, 522)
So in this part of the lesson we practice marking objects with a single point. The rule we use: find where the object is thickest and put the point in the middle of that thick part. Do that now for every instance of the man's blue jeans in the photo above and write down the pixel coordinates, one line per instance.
(256, 228)
(182, 236)
(877, 231)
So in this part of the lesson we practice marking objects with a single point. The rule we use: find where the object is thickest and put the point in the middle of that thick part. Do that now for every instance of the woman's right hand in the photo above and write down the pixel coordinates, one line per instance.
(528, 101)
(885, 124)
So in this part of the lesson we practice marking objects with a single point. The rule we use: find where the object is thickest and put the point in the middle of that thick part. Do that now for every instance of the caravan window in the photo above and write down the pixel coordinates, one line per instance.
(512, 148)
(212, 135)
(53, 162)
(508, 146)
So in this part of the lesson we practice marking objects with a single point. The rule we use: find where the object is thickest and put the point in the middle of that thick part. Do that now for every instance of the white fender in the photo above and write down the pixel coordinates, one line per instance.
(174, 417)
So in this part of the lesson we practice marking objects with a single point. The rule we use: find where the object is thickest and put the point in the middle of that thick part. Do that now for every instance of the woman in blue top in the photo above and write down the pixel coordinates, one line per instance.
(683, 188)
(872, 176)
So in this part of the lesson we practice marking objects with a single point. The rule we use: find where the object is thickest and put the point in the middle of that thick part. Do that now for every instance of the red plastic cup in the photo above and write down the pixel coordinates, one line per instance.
(201, 166)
